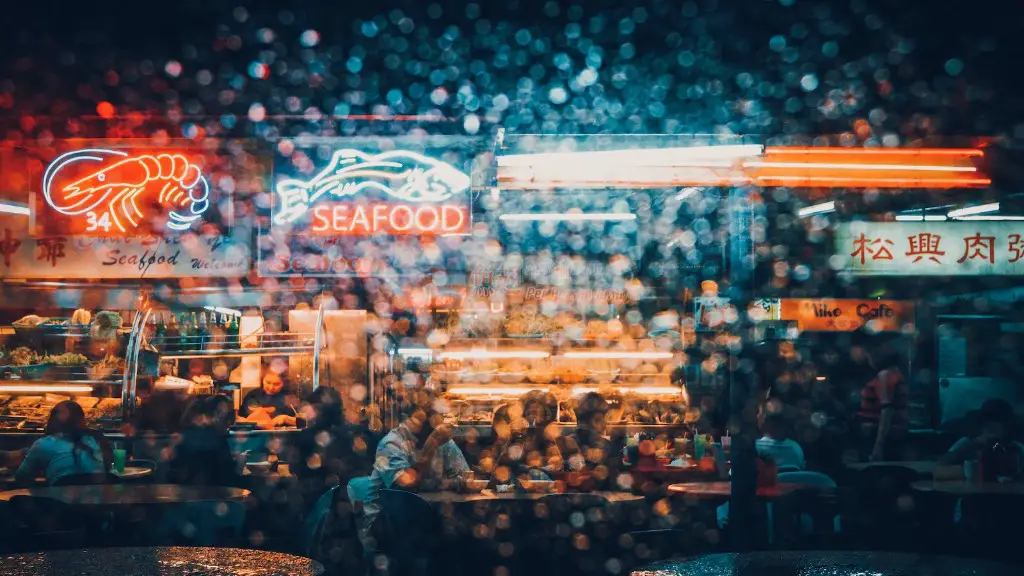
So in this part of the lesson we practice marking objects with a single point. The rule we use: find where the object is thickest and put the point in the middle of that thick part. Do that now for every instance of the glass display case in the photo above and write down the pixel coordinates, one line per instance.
(639, 378)
(44, 361)
(223, 351)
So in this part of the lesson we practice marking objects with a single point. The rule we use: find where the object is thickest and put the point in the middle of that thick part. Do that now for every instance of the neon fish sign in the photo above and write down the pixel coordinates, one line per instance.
(107, 187)
(403, 176)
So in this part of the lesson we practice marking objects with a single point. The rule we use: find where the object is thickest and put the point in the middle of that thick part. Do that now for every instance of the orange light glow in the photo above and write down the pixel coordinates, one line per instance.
(109, 192)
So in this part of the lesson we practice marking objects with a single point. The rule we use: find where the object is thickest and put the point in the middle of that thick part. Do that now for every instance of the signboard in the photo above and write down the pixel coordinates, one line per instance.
(951, 248)
(710, 313)
(830, 315)
(371, 207)
(395, 192)
(121, 192)
(66, 258)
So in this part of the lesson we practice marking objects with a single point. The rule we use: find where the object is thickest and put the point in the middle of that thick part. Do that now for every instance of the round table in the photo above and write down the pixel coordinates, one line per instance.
(807, 563)
(490, 495)
(109, 495)
(133, 472)
(158, 561)
(965, 488)
(922, 467)
(723, 489)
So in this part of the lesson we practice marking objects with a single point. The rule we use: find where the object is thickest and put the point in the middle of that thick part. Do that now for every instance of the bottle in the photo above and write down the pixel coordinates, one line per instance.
(203, 330)
(233, 333)
(188, 328)
(172, 343)
(698, 446)
(161, 329)
(218, 331)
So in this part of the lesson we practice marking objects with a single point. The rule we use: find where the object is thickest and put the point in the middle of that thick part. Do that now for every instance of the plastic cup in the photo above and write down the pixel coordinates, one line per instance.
(120, 456)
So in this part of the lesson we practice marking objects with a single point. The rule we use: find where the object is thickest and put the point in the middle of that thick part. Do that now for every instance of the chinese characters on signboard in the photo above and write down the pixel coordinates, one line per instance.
(932, 248)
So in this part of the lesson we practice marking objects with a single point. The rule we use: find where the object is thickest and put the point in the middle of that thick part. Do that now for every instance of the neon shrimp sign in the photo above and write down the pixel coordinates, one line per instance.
(106, 191)
(415, 188)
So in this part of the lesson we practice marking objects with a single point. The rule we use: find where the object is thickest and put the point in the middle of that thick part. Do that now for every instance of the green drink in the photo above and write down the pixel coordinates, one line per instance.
(120, 455)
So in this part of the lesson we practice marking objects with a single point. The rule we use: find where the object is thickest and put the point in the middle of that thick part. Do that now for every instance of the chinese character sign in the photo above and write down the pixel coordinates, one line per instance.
(932, 248)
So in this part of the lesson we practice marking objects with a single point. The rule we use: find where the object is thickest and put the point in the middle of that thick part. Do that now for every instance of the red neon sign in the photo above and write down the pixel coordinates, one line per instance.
(394, 219)
(112, 192)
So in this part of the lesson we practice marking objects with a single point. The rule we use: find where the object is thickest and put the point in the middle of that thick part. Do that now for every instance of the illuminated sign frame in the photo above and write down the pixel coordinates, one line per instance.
(108, 196)
(410, 178)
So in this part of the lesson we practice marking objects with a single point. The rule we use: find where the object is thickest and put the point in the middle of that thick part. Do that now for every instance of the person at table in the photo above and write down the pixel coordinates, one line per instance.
(884, 407)
(776, 443)
(68, 448)
(418, 455)
(328, 451)
(269, 405)
(996, 423)
(587, 449)
(202, 455)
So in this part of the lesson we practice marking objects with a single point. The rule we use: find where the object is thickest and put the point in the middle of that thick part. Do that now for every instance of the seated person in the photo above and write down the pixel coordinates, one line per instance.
(995, 423)
(587, 449)
(68, 448)
(202, 456)
(269, 405)
(776, 443)
(417, 455)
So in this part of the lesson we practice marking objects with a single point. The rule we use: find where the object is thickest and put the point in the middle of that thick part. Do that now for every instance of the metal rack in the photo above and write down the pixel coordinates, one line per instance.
(223, 346)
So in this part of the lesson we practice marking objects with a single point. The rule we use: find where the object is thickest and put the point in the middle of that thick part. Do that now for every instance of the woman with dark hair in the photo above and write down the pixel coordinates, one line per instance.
(203, 456)
(68, 448)
(884, 414)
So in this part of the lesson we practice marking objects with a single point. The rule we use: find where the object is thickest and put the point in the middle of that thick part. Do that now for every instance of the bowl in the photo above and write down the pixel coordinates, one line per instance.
(602, 376)
(482, 376)
(474, 485)
(538, 486)
(511, 377)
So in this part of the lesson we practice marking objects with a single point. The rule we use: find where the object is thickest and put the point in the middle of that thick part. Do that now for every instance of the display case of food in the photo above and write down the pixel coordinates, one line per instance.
(635, 376)
(44, 361)
(207, 352)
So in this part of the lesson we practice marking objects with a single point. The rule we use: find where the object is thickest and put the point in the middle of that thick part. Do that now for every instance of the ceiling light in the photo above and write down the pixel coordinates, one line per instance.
(45, 388)
(9, 208)
(712, 156)
(972, 210)
(920, 218)
(992, 218)
(817, 209)
(494, 390)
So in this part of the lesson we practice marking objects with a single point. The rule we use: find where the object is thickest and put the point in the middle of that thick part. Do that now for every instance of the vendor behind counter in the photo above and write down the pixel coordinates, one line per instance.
(269, 405)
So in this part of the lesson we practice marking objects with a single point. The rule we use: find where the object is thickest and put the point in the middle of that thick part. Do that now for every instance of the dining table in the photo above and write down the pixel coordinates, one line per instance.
(922, 467)
(827, 563)
(723, 489)
(158, 561)
(449, 497)
(119, 495)
(961, 488)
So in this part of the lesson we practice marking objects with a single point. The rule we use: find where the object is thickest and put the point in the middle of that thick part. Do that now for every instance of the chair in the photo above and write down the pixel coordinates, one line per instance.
(409, 530)
(815, 509)
(313, 529)
(45, 524)
(562, 522)
(882, 514)
(206, 523)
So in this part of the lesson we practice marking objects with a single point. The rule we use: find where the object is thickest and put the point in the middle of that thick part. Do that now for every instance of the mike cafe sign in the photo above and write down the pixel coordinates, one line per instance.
(833, 315)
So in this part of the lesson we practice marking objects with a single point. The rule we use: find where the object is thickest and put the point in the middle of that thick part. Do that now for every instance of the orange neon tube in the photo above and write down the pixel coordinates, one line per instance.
(769, 150)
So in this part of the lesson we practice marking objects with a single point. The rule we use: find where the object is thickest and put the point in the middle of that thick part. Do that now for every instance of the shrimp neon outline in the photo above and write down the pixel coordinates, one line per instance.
(350, 171)
(184, 187)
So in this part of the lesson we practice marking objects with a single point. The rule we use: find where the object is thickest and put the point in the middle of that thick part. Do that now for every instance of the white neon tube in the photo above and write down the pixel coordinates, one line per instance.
(972, 210)
(989, 218)
(920, 218)
(829, 165)
(494, 390)
(686, 193)
(650, 390)
(417, 352)
(567, 217)
(817, 209)
(43, 388)
(18, 209)
(637, 157)
(492, 355)
(618, 355)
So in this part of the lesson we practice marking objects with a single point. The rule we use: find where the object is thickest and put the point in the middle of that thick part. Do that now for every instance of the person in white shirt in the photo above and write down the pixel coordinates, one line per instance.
(777, 445)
